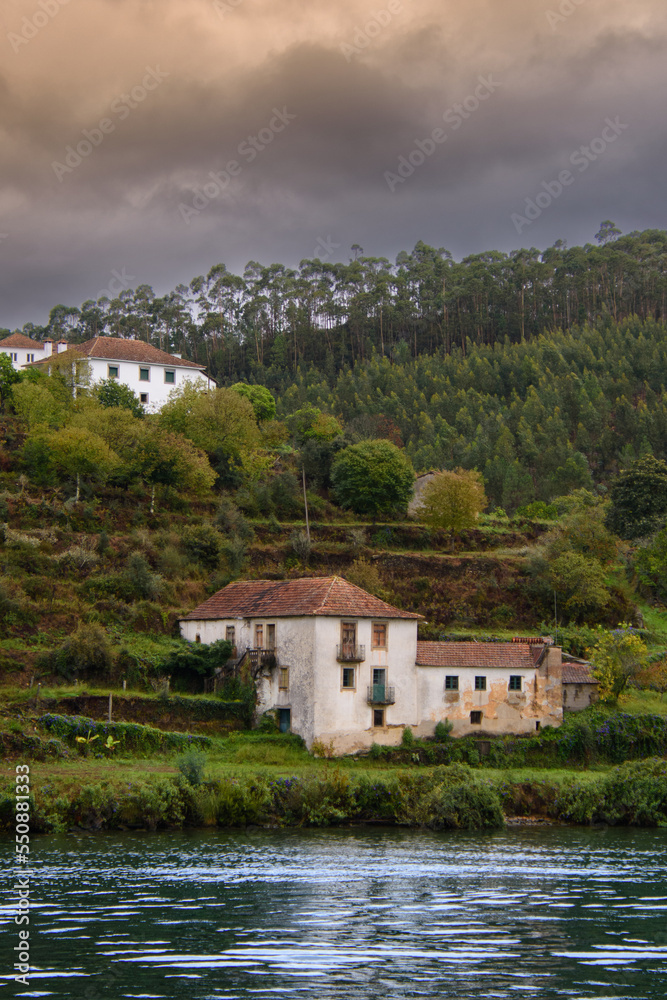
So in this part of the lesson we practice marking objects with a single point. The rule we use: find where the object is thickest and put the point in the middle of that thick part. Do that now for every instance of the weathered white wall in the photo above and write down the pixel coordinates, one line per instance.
(321, 709)
(295, 648)
(503, 711)
(345, 717)
(577, 697)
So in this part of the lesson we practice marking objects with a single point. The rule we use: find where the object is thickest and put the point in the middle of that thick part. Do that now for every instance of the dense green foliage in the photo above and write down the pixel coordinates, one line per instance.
(372, 477)
(538, 419)
(583, 739)
(651, 566)
(446, 797)
(130, 735)
(639, 499)
(635, 794)
(187, 667)
(111, 392)
(452, 500)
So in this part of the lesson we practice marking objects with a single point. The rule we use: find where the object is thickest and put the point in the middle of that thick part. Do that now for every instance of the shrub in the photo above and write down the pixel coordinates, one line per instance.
(443, 730)
(8, 607)
(407, 738)
(203, 544)
(235, 555)
(634, 794)
(285, 494)
(231, 521)
(131, 735)
(365, 574)
(86, 651)
(617, 656)
(191, 765)
(452, 500)
(539, 509)
(466, 806)
(317, 801)
(300, 544)
(140, 581)
(188, 667)
(372, 477)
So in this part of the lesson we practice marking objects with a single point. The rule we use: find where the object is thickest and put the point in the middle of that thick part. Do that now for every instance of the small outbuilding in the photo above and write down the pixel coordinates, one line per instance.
(580, 689)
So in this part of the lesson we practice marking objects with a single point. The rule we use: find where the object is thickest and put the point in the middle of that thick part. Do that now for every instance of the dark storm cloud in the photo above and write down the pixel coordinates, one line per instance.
(352, 109)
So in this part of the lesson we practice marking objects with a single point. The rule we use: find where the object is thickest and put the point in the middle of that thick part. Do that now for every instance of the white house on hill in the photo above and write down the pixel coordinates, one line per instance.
(24, 351)
(151, 373)
(345, 667)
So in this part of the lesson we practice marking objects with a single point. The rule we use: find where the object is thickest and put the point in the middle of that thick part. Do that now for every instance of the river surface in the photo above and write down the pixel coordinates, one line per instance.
(556, 912)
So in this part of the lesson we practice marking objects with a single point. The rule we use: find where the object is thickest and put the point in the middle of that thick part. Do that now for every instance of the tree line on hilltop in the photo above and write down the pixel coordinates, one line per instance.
(266, 323)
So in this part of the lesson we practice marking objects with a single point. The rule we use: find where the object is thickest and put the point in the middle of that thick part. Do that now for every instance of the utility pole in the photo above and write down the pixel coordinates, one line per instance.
(555, 619)
(305, 502)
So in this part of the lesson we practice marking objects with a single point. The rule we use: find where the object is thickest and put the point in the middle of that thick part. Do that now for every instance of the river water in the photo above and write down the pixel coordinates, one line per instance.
(530, 912)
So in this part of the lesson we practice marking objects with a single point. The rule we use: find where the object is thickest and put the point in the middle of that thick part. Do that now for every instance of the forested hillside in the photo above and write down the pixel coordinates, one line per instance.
(544, 371)
(342, 389)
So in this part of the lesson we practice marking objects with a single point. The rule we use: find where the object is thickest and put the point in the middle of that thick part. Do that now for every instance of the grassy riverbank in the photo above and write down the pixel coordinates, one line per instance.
(251, 779)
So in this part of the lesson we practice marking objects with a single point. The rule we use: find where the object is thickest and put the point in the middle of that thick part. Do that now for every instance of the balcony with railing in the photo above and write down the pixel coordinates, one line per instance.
(265, 658)
(349, 652)
(380, 694)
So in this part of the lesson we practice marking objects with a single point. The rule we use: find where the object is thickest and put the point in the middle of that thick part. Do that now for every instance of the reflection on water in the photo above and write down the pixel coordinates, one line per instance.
(336, 914)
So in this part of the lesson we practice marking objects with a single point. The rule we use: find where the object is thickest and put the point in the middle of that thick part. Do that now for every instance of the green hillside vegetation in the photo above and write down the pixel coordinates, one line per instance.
(537, 390)
(118, 521)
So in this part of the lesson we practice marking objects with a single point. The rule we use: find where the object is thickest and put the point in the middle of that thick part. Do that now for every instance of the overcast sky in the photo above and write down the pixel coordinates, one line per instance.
(306, 112)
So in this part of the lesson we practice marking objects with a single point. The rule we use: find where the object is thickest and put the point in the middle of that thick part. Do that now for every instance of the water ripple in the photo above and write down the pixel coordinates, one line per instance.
(572, 914)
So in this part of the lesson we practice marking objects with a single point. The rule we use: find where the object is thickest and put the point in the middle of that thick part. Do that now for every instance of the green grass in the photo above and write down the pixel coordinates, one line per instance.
(643, 702)
(656, 622)
(74, 773)
(553, 776)
(10, 695)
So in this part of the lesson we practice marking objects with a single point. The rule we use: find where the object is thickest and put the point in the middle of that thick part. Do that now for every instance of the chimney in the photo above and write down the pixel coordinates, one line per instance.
(62, 346)
(48, 348)
(175, 355)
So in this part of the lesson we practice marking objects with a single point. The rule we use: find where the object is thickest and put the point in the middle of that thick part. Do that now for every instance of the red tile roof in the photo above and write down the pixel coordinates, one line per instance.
(120, 349)
(18, 340)
(329, 595)
(508, 655)
(577, 673)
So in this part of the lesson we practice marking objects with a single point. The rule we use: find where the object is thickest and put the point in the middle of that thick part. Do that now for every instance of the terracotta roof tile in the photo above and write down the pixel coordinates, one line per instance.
(330, 596)
(508, 655)
(18, 340)
(577, 673)
(121, 349)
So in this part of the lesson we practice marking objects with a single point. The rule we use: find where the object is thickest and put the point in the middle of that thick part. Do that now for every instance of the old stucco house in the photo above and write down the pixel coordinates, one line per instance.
(339, 665)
